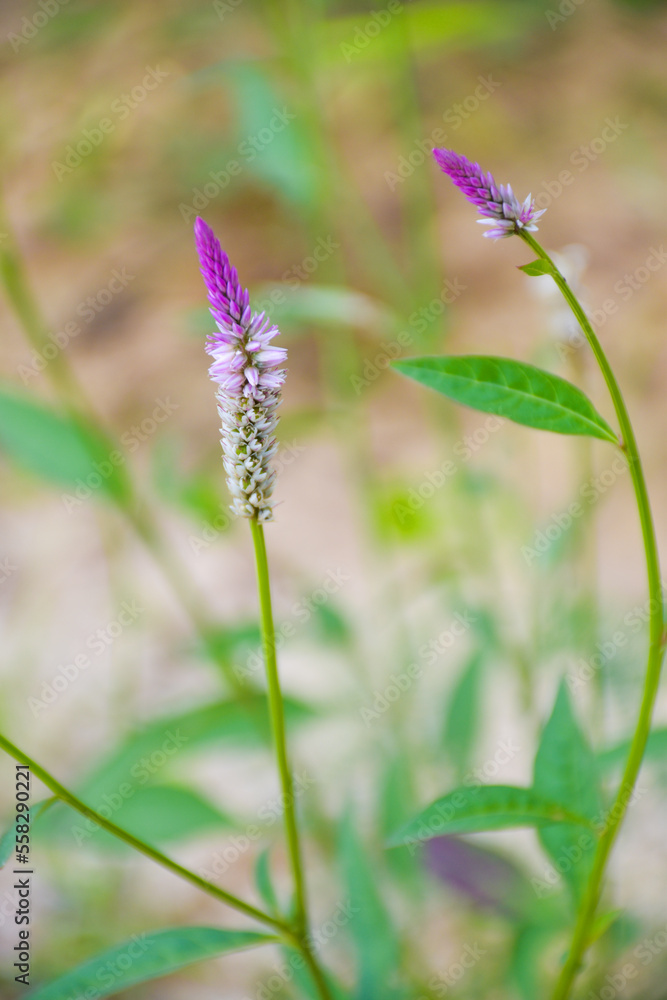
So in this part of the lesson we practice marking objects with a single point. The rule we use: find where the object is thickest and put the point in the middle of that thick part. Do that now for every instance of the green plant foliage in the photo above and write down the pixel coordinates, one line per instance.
(156, 814)
(59, 448)
(566, 770)
(273, 144)
(264, 881)
(463, 715)
(370, 926)
(512, 389)
(148, 956)
(473, 809)
(223, 724)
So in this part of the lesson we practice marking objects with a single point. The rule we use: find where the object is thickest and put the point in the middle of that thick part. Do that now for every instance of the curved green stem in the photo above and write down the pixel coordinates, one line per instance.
(71, 800)
(657, 641)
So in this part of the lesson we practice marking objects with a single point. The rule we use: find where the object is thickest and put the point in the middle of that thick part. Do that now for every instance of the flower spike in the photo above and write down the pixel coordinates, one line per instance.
(500, 207)
(246, 369)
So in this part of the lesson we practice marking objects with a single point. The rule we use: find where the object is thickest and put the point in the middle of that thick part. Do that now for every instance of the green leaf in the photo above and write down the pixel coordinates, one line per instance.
(537, 267)
(526, 960)
(8, 840)
(324, 305)
(147, 956)
(274, 143)
(463, 713)
(374, 936)
(512, 389)
(470, 809)
(602, 923)
(348, 41)
(566, 770)
(57, 447)
(147, 754)
(264, 882)
(656, 749)
(157, 814)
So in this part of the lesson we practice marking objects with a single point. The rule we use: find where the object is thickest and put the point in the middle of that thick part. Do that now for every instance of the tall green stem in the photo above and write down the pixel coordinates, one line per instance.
(278, 720)
(657, 641)
(277, 714)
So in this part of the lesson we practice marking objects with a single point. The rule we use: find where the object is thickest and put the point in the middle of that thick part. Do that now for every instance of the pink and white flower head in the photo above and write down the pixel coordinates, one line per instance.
(501, 208)
(246, 368)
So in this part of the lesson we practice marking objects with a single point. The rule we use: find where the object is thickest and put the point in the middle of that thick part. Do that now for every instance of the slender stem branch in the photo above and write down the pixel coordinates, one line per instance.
(657, 641)
(278, 721)
(161, 859)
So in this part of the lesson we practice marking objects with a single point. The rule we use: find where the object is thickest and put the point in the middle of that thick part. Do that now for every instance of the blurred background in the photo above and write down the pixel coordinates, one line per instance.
(432, 580)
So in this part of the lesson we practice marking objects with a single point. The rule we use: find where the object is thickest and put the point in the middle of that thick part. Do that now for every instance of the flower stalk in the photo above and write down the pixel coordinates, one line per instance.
(657, 642)
(507, 217)
(246, 370)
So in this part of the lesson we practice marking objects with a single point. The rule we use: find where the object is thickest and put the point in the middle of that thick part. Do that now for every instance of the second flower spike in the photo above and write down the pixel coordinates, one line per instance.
(501, 208)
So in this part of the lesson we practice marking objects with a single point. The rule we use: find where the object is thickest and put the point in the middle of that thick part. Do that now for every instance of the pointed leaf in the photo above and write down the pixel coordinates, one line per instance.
(144, 957)
(58, 447)
(147, 753)
(566, 770)
(370, 926)
(656, 749)
(264, 881)
(512, 389)
(537, 268)
(156, 814)
(470, 809)
(463, 713)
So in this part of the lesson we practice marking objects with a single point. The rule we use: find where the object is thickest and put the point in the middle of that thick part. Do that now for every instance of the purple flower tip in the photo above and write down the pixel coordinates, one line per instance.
(246, 370)
(500, 207)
